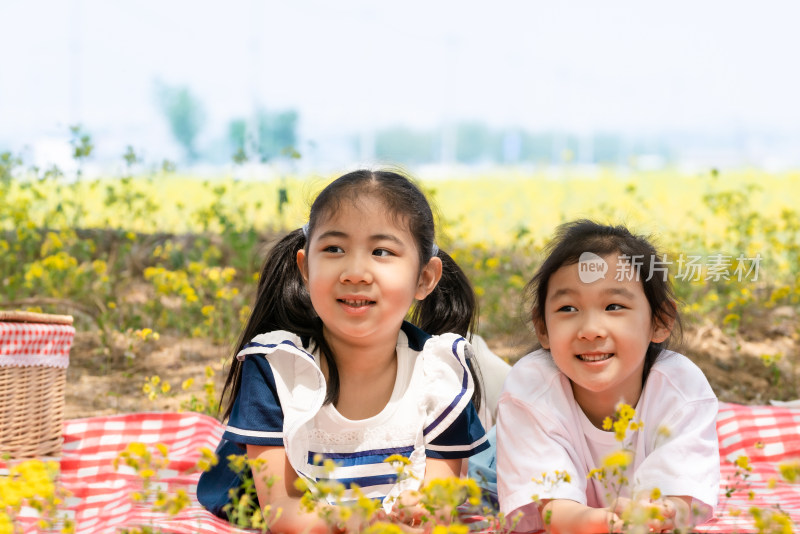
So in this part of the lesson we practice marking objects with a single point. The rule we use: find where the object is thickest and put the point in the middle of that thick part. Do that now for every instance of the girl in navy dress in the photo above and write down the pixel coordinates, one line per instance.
(328, 367)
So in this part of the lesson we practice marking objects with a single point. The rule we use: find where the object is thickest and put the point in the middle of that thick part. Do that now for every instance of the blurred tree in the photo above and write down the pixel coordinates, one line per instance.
(473, 142)
(277, 133)
(8, 163)
(607, 148)
(404, 145)
(82, 145)
(185, 115)
(271, 134)
(131, 157)
(237, 135)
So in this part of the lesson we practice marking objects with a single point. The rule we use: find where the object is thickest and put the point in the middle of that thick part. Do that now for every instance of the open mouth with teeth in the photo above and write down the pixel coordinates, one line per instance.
(356, 303)
(594, 357)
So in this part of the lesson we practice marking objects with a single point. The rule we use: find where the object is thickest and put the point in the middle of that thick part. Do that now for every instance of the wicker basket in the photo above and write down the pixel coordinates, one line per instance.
(34, 355)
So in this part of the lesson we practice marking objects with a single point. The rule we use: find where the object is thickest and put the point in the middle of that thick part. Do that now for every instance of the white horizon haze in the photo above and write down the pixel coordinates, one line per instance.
(352, 67)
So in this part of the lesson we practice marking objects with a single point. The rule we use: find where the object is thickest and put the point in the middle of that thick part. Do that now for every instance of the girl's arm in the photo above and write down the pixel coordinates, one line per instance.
(282, 495)
(441, 468)
(566, 516)
(294, 518)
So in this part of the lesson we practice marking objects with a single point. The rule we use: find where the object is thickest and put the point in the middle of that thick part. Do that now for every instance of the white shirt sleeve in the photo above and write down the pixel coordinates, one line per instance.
(685, 460)
(532, 446)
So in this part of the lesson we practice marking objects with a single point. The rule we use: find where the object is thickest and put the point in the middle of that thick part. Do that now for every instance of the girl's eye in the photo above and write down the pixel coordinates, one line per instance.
(567, 308)
(382, 252)
(615, 307)
(334, 249)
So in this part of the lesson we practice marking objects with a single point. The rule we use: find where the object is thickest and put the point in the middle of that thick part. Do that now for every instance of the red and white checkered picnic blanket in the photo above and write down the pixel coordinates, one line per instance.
(767, 436)
(101, 495)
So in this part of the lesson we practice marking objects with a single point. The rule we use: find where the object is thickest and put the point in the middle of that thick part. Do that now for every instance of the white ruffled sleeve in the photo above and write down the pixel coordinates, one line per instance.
(298, 383)
(452, 428)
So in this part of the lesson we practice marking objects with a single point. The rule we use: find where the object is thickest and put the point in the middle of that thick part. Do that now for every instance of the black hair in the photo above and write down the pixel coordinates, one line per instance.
(282, 301)
(574, 238)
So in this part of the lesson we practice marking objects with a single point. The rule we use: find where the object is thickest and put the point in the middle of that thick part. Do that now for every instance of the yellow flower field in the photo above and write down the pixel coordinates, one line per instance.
(196, 244)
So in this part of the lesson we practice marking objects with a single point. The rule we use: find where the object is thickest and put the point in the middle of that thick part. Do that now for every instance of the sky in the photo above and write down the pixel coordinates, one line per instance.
(355, 65)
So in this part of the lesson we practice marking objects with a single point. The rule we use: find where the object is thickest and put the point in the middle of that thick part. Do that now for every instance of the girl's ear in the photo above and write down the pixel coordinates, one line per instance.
(662, 326)
(541, 333)
(428, 278)
(302, 264)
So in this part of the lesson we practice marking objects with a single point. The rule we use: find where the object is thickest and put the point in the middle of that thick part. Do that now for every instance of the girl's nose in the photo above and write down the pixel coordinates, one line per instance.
(355, 271)
(592, 327)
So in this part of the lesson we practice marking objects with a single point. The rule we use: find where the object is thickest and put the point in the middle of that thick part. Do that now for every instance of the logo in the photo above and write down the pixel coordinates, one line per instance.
(591, 267)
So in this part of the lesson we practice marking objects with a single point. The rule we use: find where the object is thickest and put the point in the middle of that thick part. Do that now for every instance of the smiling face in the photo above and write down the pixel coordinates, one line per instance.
(363, 273)
(598, 334)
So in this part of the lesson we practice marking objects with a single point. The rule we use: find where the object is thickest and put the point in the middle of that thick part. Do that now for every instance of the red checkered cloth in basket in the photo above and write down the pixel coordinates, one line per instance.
(29, 344)
(101, 495)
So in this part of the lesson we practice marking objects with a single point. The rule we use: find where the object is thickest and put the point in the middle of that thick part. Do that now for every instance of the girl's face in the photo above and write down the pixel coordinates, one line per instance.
(598, 332)
(363, 274)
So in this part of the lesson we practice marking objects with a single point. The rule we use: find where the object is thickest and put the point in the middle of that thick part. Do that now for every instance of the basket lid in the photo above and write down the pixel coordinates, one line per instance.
(17, 316)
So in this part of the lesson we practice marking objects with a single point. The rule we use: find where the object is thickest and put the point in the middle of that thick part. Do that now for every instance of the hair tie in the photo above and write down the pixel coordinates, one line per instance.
(434, 250)
(305, 230)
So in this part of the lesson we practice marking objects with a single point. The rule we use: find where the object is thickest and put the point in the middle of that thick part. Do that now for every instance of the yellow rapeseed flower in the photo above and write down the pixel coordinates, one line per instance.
(398, 458)
(213, 274)
(743, 462)
(100, 267)
(6, 526)
(620, 459)
(382, 527)
(207, 460)
(137, 448)
(329, 466)
(35, 271)
(625, 411)
(607, 423)
(237, 462)
(453, 528)
(189, 294)
(790, 471)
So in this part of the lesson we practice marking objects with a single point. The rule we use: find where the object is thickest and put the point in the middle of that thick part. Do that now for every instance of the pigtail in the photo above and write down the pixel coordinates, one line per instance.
(282, 303)
(451, 307)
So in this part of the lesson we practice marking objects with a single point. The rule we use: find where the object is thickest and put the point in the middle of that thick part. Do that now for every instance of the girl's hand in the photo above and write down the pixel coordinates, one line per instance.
(667, 513)
(616, 511)
(407, 510)
(564, 516)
